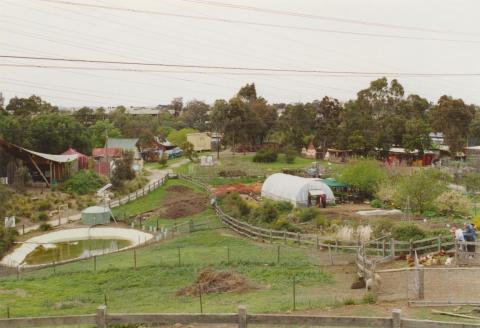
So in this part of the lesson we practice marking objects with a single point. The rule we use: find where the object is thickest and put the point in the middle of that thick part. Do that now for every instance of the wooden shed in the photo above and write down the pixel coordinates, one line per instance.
(44, 168)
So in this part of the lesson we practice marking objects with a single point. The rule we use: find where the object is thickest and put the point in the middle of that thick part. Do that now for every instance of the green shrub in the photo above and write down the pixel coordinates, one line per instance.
(307, 214)
(376, 203)
(41, 216)
(44, 205)
(235, 205)
(408, 230)
(382, 227)
(162, 161)
(265, 156)
(453, 203)
(322, 222)
(369, 298)
(83, 182)
(364, 175)
(349, 301)
(290, 155)
(283, 206)
(44, 227)
(283, 225)
(266, 212)
(7, 239)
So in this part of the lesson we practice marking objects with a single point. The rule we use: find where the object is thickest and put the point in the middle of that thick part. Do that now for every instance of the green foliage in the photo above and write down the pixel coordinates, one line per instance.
(83, 182)
(5, 196)
(349, 301)
(162, 161)
(408, 231)
(365, 175)
(376, 203)
(283, 206)
(453, 203)
(265, 156)
(369, 298)
(290, 154)
(386, 193)
(123, 171)
(306, 214)
(41, 216)
(235, 205)
(382, 227)
(180, 137)
(188, 151)
(266, 213)
(21, 179)
(7, 239)
(98, 133)
(471, 180)
(43, 205)
(420, 189)
(45, 227)
(282, 224)
(321, 222)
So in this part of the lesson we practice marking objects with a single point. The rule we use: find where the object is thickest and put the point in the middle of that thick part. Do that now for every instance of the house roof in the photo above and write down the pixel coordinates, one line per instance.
(23, 152)
(71, 151)
(122, 143)
(111, 152)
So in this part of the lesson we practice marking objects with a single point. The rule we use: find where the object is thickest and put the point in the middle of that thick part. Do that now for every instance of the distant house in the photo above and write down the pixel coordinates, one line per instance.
(143, 111)
(310, 151)
(116, 148)
(204, 140)
(152, 150)
(437, 138)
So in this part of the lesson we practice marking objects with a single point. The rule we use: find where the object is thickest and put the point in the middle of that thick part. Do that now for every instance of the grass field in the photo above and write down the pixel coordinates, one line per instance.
(75, 288)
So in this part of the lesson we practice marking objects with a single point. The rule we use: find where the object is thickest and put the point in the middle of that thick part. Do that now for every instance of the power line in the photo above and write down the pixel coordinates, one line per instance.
(322, 17)
(222, 68)
(225, 20)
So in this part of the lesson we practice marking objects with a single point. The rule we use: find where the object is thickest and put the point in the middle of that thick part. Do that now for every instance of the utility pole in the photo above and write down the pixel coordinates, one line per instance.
(106, 152)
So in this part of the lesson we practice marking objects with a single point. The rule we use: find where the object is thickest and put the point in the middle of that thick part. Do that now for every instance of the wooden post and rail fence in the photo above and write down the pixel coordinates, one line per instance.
(241, 319)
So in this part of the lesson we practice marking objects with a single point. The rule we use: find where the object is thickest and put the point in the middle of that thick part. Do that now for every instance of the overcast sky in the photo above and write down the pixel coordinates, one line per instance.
(38, 28)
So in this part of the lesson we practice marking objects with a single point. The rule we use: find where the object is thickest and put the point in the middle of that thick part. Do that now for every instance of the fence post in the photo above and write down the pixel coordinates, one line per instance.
(456, 252)
(411, 247)
(179, 257)
(330, 254)
(228, 255)
(242, 316)
(396, 318)
(298, 237)
(271, 240)
(101, 317)
(439, 241)
(421, 284)
(190, 226)
(134, 258)
(278, 254)
(383, 248)
(285, 237)
(318, 243)
(336, 245)
(18, 272)
(94, 263)
(294, 294)
(392, 247)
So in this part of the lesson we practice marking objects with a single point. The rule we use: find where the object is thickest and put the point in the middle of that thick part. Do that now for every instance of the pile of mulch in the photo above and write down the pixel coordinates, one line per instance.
(182, 201)
(248, 189)
(211, 281)
(232, 173)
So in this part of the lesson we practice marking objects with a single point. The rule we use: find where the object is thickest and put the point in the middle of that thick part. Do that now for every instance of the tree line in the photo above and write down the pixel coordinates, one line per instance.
(381, 116)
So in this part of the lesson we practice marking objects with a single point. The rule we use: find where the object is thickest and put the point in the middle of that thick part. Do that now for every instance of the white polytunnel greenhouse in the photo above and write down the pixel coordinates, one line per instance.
(301, 192)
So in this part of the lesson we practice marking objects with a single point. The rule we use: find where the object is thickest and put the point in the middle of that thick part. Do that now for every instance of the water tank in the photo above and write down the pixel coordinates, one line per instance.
(96, 215)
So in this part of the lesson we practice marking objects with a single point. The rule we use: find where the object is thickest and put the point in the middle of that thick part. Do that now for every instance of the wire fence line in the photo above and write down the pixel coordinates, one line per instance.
(424, 285)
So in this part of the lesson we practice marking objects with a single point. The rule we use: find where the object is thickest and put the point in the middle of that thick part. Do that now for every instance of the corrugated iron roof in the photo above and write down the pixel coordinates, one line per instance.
(122, 143)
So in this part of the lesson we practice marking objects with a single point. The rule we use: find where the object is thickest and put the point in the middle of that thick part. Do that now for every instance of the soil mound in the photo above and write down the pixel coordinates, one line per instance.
(211, 281)
(182, 201)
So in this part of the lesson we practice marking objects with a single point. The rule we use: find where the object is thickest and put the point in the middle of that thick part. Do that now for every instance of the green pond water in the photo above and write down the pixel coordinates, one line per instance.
(57, 252)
